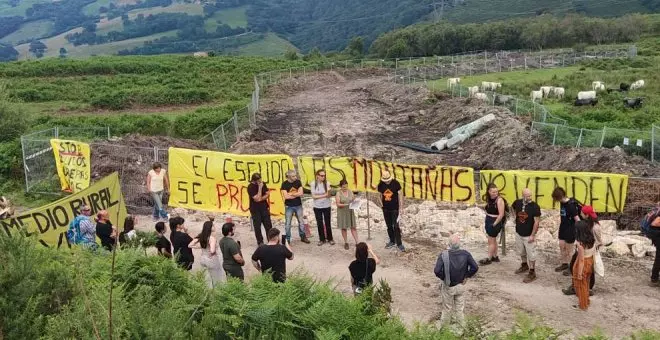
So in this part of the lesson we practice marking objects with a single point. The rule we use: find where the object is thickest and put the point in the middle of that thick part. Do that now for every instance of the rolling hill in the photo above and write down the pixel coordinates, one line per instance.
(183, 26)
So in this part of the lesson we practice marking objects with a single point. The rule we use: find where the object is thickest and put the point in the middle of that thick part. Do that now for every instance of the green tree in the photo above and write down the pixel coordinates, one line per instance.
(63, 52)
(355, 47)
(291, 54)
(314, 54)
(38, 48)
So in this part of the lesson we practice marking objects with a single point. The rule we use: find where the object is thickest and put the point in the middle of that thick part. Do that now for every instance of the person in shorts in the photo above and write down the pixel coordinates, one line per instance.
(495, 212)
(569, 214)
(528, 216)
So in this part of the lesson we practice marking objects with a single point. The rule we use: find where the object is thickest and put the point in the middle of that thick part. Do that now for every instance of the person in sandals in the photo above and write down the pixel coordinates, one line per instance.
(345, 215)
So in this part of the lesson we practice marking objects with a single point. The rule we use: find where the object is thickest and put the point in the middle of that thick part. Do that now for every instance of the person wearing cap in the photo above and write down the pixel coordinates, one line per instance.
(588, 214)
(232, 258)
(392, 202)
(528, 216)
(259, 209)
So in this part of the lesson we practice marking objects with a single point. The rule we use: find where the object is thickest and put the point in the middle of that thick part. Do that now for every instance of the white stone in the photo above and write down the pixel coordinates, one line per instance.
(639, 250)
(618, 248)
(608, 231)
(629, 240)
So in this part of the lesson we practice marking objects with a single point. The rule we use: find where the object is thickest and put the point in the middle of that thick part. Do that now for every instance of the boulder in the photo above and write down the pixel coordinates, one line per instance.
(618, 248)
(631, 240)
(650, 251)
(545, 238)
(639, 250)
(608, 231)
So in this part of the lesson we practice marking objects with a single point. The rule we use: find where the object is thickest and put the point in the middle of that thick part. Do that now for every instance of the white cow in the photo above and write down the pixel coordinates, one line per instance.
(586, 95)
(598, 86)
(637, 85)
(490, 86)
(558, 92)
(481, 96)
(451, 82)
(472, 90)
(546, 90)
(536, 95)
(200, 54)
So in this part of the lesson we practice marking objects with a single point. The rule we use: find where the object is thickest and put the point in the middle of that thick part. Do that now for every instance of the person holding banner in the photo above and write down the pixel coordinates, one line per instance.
(259, 209)
(157, 184)
(292, 191)
(392, 201)
(322, 207)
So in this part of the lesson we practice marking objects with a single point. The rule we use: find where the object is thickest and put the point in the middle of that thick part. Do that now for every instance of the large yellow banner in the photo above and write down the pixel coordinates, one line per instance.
(605, 192)
(218, 181)
(50, 222)
(73, 164)
(427, 182)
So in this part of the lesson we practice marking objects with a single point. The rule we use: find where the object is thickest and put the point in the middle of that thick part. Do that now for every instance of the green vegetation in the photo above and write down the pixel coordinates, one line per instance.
(30, 30)
(487, 10)
(270, 46)
(17, 7)
(94, 8)
(542, 32)
(234, 17)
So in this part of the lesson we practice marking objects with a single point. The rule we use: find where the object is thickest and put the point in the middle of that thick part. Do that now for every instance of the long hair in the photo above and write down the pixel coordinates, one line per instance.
(591, 222)
(325, 180)
(361, 252)
(129, 223)
(584, 234)
(204, 236)
(487, 195)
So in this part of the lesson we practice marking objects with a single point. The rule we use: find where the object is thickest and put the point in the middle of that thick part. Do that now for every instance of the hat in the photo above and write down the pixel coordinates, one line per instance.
(386, 176)
(589, 211)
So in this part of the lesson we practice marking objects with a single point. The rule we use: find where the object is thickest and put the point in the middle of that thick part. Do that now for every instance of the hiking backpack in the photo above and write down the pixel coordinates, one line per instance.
(73, 233)
(576, 204)
(646, 224)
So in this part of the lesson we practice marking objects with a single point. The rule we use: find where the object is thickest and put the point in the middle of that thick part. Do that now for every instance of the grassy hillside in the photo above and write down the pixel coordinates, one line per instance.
(234, 17)
(30, 30)
(270, 46)
(6, 9)
(485, 10)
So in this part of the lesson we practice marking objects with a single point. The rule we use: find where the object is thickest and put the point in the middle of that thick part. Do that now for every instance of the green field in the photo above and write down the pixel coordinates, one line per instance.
(271, 46)
(30, 30)
(7, 10)
(93, 8)
(234, 17)
(55, 43)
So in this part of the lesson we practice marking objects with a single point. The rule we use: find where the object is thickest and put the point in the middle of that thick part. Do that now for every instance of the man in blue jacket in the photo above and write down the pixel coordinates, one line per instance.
(454, 267)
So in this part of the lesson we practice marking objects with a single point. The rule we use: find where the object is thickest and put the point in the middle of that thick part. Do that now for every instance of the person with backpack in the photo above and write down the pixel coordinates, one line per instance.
(454, 267)
(650, 226)
(588, 215)
(569, 211)
(363, 267)
(81, 230)
(496, 208)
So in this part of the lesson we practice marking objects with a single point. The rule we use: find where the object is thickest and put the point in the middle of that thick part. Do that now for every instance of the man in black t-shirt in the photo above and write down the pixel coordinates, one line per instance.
(180, 241)
(163, 244)
(392, 200)
(528, 216)
(259, 209)
(292, 191)
(272, 256)
(569, 214)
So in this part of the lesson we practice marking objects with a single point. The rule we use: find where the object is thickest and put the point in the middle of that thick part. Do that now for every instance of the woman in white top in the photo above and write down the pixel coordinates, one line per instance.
(210, 260)
(157, 184)
(322, 202)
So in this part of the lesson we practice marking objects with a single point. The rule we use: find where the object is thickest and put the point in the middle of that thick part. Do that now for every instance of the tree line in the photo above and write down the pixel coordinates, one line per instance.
(545, 31)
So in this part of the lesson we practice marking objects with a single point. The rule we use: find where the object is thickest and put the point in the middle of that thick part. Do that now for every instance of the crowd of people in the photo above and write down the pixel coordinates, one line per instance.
(579, 236)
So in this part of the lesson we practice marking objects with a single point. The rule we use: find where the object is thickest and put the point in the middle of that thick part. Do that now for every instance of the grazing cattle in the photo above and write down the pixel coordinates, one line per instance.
(490, 86)
(633, 103)
(586, 95)
(637, 85)
(501, 99)
(559, 92)
(481, 96)
(451, 82)
(472, 90)
(597, 85)
(536, 95)
(200, 54)
(624, 87)
(546, 90)
(588, 101)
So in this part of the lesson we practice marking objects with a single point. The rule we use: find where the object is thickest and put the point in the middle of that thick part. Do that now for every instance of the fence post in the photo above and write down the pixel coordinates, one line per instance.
(108, 132)
(155, 154)
(579, 139)
(602, 139)
(525, 62)
(540, 62)
(236, 123)
(554, 138)
(224, 137)
(652, 143)
(516, 106)
(57, 132)
(368, 216)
